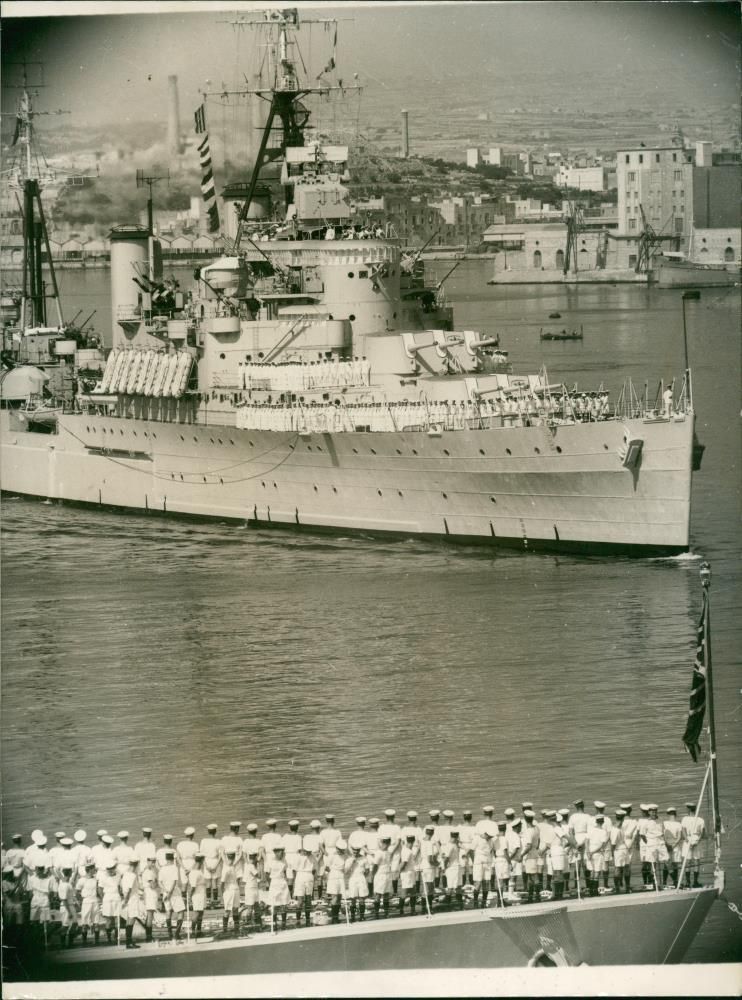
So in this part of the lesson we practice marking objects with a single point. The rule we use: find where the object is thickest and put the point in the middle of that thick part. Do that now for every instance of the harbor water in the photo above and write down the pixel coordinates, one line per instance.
(162, 673)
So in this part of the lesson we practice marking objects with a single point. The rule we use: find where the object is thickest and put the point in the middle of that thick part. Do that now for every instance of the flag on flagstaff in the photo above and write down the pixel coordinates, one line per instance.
(697, 710)
(208, 191)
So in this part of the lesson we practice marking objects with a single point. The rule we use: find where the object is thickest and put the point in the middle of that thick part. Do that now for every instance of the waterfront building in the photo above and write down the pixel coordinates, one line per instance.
(659, 182)
(584, 178)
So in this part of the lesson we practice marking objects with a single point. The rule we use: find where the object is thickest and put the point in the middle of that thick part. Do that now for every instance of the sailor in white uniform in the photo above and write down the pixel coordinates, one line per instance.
(150, 893)
(641, 839)
(412, 826)
(14, 856)
(144, 848)
(619, 850)
(694, 834)
(483, 824)
(329, 837)
(391, 829)
(89, 903)
(409, 872)
(123, 852)
(654, 834)
(673, 837)
(357, 883)
(253, 875)
(529, 840)
(304, 881)
(382, 876)
(630, 833)
(271, 839)
(196, 889)
(278, 887)
(483, 863)
(313, 845)
(211, 848)
(358, 837)
(161, 855)
(597, 838)
(453, 861)
(100, 851)
(230, 884)
(172, 896)
(186, 852)
(292, 842)
(546, 834)
(110, 908)
(467, 834)
(579, 824)
(41, 885)
(232, 844)
(429, 863)
(106, 855)
(83, 853)
(131, 901)
(504, 845)
(337, 890)
(68, 912)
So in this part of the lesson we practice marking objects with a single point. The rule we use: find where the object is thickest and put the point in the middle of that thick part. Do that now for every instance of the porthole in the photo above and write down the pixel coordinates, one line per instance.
(275, 486)
(445, 496)
(537, 450)
(212, 440)
(221, 482)
(87, 429)
(154, 436)
(231, 441)
(182, 438)
(222, 357)
(372, 451)
(414, 451)
(121, 433)
(249, 442)
(492, 500)
(315, 489)
(172, 475)
(380, 493)
(134, 433)
(219, 440)
(446, 451)
(319, 448)
(481, 451)
(195, 439)
(351, 274)
(355, 451)
(399, 492)
(508, 451)
(606, 447)
(263, 485)
(559, 449)
(104, 430)
(334, 489)
(204, 478)
(352, 316)
(181, 477)
(398, 451)
(309, 447)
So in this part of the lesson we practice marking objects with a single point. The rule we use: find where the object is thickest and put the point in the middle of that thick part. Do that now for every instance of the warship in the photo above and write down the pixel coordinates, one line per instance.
(312, 379)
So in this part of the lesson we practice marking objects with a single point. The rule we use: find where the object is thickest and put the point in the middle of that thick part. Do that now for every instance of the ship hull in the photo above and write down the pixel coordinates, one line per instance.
(534, 488)
(683, 275)
(638, 929)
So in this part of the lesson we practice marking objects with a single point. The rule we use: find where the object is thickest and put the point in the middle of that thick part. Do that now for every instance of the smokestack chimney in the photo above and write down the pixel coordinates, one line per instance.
(405, 134)
(173, 117)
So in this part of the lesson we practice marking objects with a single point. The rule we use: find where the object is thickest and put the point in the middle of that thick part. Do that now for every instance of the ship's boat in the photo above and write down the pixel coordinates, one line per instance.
(313, 380)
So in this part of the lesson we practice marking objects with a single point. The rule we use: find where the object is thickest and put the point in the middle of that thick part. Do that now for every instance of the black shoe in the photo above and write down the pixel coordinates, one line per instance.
(132, 944)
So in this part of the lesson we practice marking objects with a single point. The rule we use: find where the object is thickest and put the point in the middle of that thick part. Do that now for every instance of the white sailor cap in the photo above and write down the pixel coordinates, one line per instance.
(329, 816)
(690, 805)
(35, 834)
(80, 836)
(434, 812)
(374, 821)
(430, 828)
(411, 814)
(517, 821)
(189, 831)
(501, 824)
(107, 839)
(510, 812)
(671, 809)
(199, 856)
(60, 834)
(280, 847)
(252, 827)
(448, 813)
(147, 829)
(123, 834)
(293, 822)
(564, 812)
(598, 804)
(17, 836)
(315, 824)
(620, 812)
(529, 813)
(488, 809)
(390, 812)
(169, 854)
(361, 819)
(235, 822)
(599, 818)
(66, 842)
(213, 826)
(340, 845)
(41, 841)
(110, 865)
(652, 806)
(271, 822)
(644, 807)
(549, 813)
(579, 802)
(7, 870)
(526, 805)
(98, 833)
(625, 805)
(467, 812)
(167, 836)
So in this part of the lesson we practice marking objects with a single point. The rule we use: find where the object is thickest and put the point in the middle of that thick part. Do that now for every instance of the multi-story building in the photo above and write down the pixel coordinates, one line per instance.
(592, 178)
(659, 182)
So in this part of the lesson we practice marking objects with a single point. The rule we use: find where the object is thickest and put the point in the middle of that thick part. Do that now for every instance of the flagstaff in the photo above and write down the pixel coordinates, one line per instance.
(705, 574)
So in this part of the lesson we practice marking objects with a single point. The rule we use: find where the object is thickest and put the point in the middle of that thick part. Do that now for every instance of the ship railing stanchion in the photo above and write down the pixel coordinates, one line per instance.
(577, 876)
(188, 915)
(427, 901)
(654, 875)
(345, 903)
(499, 888)
(273, 919)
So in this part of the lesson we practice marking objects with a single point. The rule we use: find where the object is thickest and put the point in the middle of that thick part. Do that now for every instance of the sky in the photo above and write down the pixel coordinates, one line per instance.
(110, 68)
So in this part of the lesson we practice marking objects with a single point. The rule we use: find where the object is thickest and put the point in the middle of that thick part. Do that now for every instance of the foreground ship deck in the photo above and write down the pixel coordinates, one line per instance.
(641, 928)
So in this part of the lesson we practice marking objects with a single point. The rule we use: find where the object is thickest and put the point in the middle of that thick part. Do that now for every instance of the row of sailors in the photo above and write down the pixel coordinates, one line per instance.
(490, 855)
(295, 376)
(511, 410)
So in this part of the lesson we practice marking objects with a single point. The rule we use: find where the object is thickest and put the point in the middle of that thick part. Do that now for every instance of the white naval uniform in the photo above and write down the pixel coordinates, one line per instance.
(358, 838)
(278, 887)
(253, 843)
(83, 857)
(429, 863)
(14, 858)
(304, 877)
(529, 842)
(336, 867)
(394, 832)
(101, 856)
(292, 844)
(641, 830)
(132, 902)
(620, 849)
(186, 853)
(673, 837)
(515, 855)
(36, 857)
(694, 831)
(453, 861)
(197, 886)
(68, 912)
(251, 872)
(41, 886)
(630, 832)
(232, 844)
(502, 844)
(656, 848)
(467, 836)
(546, 837)
(313, 845)
(172, 897)
(557, 858)
(409, 866)
(357, 881)
(579, 824)
(150, 888)
(230, 886)
(144, 849)
(90, 907)
(211, 848)
(123, 854)
(109, 882)
(597, 838)
(383, 876)
(483, 861)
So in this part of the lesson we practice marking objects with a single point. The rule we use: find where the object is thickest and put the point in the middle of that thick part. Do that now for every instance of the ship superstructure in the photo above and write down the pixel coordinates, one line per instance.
(312, 379)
